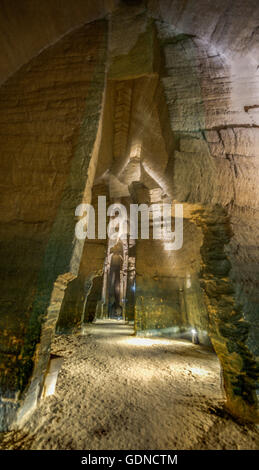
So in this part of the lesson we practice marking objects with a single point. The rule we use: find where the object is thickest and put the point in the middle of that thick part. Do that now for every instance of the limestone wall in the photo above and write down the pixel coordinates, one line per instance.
(175, 124)
(50, 113)
(216, 164)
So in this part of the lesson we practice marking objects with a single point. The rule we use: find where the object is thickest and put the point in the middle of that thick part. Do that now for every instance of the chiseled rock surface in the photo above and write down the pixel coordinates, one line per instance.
(27, 28)
(230, 26)
(216, 164)
(50, 113)
(177, 118)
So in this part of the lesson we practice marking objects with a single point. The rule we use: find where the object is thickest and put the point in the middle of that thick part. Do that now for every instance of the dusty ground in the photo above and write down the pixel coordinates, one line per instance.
(116, 391)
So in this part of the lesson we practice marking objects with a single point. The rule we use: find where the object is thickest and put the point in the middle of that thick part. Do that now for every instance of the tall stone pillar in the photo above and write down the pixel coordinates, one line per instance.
(131, 285)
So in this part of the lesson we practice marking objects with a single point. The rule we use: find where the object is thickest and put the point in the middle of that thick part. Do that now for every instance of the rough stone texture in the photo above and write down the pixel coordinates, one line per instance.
(92, 299)
(227, 326)
(216, 163)
(160, 277)
(70, 314)
(44, 145)
(230, 26)
(28, 27)
(179, 123)
(73, 310)
(131, 381)
(157, 304)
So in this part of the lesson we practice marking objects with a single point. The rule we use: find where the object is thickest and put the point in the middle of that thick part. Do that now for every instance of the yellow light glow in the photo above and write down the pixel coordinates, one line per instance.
(199, 371)
(188, 281)
(147, 342)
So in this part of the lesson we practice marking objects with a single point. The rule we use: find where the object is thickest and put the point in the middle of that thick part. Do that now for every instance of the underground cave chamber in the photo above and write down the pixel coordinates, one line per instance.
(140, 106)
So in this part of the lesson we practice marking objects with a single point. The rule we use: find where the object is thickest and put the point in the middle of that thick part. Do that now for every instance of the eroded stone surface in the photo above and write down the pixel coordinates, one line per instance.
(178, 123)
(46, 153)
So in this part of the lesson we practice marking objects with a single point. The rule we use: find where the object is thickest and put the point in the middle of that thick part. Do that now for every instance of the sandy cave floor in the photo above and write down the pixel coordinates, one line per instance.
(118, 391)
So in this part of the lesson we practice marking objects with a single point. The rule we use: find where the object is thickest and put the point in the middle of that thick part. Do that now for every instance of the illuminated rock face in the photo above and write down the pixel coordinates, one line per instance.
(229, 329)
(48, 160)
(153, 113)
(211, 156)
(74, 310)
